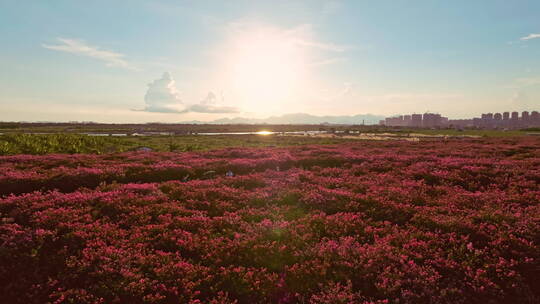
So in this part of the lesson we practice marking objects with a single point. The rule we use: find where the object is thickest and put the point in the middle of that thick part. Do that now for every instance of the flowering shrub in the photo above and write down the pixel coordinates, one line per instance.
(369, 222)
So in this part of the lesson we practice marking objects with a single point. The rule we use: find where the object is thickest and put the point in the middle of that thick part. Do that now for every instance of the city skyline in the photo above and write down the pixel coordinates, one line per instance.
(507, 120)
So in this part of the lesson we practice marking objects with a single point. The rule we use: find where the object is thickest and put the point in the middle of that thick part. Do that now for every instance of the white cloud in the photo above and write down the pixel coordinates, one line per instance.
(163, 97)
(522, 100)
(79, 47)
(201, 108)
(523, 82)
(530, 36)
(304, 36)
(328, 61)
(528, 81)
(209, 105)
(210, 99)
(301, 36)
(322, 45)
(524, 92)
(348, 89)
(424, 97)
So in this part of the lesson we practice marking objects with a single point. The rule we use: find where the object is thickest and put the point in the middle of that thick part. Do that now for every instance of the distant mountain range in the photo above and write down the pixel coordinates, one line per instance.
(298, 119)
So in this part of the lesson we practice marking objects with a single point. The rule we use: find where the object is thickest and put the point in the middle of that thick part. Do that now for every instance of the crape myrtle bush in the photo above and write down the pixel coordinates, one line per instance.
(370, 222)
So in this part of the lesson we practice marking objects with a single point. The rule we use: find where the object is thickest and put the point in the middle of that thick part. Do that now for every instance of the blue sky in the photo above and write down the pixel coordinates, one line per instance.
(170, 61)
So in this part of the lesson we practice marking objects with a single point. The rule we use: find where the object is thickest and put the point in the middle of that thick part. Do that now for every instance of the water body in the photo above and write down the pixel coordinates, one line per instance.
(306, 133)
(264, 133)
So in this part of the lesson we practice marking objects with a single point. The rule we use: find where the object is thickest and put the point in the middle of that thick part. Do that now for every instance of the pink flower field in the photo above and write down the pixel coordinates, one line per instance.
(454, 221)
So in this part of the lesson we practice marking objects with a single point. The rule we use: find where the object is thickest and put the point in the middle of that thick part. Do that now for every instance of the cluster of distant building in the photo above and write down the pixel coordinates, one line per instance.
(504, 120)
(416, 120)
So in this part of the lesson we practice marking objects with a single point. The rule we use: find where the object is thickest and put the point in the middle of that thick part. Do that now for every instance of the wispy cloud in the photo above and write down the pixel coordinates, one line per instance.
(530, 36)
(322, 45)
(528, 81)
(398, 97)
(79, 47)
(523, 82)
(201, 108)
(523, 100)
(209, 105)
(348, 89)
(328, 61)
(304, 36)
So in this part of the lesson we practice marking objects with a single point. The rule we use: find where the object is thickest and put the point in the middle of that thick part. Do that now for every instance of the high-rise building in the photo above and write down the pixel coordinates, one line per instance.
(399, 121)
(444, 121)
(416, 120)
(515, 115)
(396, 121)
(487, 120)
(431, 120)
(535, 117)
(407, 120)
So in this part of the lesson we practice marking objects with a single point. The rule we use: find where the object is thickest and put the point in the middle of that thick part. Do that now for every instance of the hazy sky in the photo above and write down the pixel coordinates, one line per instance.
(170, 61)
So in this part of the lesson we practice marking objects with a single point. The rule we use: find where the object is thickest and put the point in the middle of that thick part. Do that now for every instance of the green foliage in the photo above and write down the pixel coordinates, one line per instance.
(537, 129)
(20, 143)
(56, 143)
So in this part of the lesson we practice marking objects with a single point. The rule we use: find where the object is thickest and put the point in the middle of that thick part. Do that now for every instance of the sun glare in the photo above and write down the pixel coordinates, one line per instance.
(264, 133)
(266, 66)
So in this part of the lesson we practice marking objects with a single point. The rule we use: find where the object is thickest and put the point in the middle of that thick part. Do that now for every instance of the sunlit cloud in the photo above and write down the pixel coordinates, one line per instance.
(163, 97)
(210, 99)
(530, 36)
(210, 105)
(322, 46)
(304, 36)
(79, 47)
(328, 61)
(301, 36)
(201, 108)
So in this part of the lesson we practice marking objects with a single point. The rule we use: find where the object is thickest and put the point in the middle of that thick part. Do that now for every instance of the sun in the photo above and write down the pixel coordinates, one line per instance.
(264, 132)
(265, 69)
